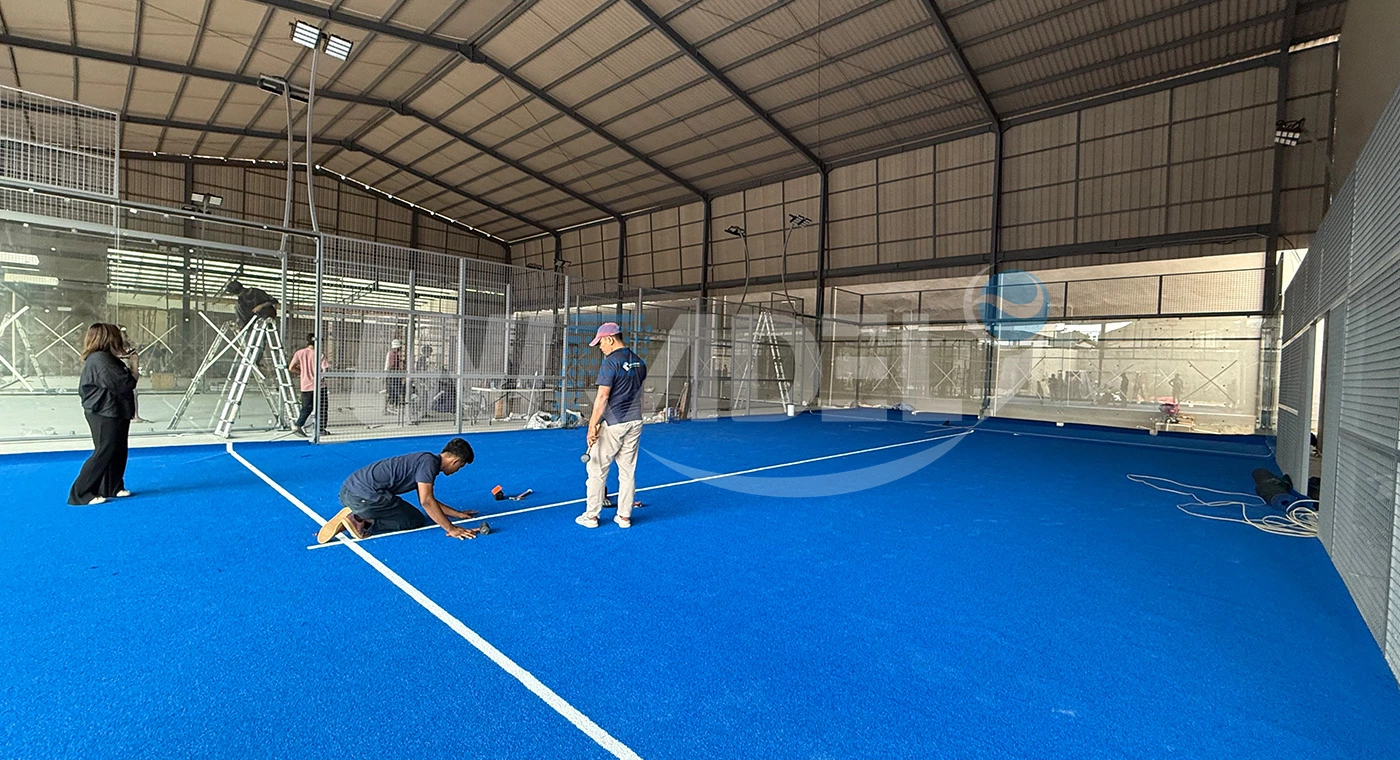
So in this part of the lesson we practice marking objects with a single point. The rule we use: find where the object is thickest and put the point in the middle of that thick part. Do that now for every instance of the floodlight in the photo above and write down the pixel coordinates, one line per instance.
(196, 197)
(338, 47)
(32, 279)
(798, 220)
(1288, 133)
(305, 34)
(28, 259)
(216, 200)
(735, 230)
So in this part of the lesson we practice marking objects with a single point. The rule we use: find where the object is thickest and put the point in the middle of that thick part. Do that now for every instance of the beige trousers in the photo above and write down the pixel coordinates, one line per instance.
(616, 443)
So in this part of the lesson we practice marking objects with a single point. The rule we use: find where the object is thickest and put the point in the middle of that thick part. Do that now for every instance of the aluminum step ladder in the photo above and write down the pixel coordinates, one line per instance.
(283, 399)
(763, 333)
(227, 340)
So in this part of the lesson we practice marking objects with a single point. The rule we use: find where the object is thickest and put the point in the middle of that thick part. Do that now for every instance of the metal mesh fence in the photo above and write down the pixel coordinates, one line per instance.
(47, 141)
(421, 342)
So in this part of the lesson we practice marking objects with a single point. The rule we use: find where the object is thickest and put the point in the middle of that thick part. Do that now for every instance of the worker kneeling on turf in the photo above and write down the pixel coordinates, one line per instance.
(371, 501)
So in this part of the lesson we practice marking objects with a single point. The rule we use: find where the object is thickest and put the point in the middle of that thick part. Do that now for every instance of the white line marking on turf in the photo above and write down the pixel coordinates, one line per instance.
(340, 541)
(582, 722)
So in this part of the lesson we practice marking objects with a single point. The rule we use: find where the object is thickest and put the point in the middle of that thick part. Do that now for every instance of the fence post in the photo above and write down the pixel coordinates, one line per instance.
(461, 336)
(320, 333)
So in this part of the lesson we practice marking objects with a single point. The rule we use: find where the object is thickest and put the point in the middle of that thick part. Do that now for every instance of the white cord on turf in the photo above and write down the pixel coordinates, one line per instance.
(1298, 520)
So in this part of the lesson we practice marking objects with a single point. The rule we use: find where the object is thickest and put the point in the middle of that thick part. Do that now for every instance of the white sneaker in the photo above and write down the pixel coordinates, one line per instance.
(586, 521)
(622, 522)
(98, 500)
(122, 494)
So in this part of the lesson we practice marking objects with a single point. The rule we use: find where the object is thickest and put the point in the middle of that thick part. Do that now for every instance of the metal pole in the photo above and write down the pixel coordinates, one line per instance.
(461, 335)
(310, 172)
(320, 339)
(564, 354)
(820, 306)
(1273, 275)
(505, 367)
(282, 312)
(637, 322)
(860, 342)
(994, 270)
(705, 256)
(410, 345)
(1273, 271)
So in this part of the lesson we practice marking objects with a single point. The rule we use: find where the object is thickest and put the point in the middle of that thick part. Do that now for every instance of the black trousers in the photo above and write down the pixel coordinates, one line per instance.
(104, 472)
(308, 400)
(387, 512)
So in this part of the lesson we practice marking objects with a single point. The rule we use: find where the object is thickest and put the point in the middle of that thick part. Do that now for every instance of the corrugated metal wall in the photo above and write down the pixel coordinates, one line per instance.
(1193, 158)
(1353, 278)
(256, 193)
(663, 247)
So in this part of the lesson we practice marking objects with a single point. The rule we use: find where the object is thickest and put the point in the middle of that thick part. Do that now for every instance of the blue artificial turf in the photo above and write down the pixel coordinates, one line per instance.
(1018, 597)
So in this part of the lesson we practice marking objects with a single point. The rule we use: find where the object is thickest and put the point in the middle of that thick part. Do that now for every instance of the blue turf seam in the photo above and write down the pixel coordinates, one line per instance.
(548, 696)
(706, 478)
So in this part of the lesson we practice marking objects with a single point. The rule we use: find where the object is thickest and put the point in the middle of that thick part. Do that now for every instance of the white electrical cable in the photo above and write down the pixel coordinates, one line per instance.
(1298, 520)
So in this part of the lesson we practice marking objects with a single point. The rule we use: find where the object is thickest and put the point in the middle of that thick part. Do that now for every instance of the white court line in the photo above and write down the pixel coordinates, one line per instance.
(1145, 444)
(718, 476)
(581, 722)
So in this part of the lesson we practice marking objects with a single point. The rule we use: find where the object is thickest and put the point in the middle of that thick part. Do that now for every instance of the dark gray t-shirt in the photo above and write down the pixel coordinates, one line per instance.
(395, 475)
(623, 372)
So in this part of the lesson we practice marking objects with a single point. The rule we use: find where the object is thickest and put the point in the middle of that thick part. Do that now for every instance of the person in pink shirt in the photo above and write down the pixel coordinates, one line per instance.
(303, 363)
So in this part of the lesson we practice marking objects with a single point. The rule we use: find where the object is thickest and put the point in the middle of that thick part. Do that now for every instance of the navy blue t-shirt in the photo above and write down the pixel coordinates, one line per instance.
(395, 475)
(623, 372)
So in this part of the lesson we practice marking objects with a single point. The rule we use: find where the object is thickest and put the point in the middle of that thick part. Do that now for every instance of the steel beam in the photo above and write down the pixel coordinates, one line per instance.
(400, 107)
(939, 21)
(1273, 274)
(344, 144)
(474, 54)
(719, 76)
(1141, 53)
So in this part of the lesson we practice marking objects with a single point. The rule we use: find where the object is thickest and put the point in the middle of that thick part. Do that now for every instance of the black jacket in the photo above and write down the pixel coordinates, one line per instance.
(250, 299)
(107, 386)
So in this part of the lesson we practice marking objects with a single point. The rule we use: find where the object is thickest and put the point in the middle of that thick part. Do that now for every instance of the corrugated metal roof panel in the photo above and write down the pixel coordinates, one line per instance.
(879, 22)
(1105, 55)
(606, 75)
(98, 25)
(536, 27)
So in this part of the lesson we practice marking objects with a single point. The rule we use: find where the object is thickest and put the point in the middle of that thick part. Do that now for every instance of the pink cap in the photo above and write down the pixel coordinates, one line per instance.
(604, 330)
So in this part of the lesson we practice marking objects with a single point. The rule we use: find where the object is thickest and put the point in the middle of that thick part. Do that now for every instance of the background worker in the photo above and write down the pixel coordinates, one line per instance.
(303, 364)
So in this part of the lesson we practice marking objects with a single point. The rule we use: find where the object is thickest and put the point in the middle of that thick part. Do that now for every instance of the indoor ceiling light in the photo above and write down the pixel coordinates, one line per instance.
(32, 279)
(27, 259)
(338, 47)
(305, 34)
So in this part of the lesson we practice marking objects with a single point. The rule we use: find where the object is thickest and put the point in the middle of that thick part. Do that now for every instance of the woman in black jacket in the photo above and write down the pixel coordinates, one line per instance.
(108, 389)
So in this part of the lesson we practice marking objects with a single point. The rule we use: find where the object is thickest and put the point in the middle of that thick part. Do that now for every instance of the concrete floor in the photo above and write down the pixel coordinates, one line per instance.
(53, 420)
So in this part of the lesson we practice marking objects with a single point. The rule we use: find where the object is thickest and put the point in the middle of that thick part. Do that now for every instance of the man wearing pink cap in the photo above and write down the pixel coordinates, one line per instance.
(615, 429)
